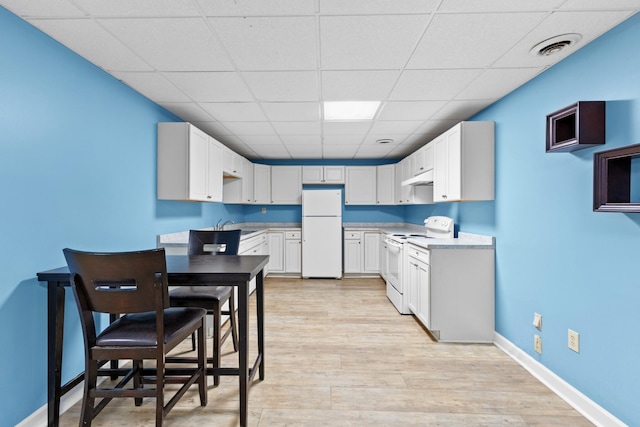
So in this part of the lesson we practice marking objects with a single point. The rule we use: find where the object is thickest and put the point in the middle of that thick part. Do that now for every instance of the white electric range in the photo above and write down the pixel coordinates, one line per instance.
(440, 227)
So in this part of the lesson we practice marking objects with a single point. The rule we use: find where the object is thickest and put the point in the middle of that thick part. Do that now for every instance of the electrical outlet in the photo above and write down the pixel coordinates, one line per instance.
(264, 210)
(537, 343)
(574, 341)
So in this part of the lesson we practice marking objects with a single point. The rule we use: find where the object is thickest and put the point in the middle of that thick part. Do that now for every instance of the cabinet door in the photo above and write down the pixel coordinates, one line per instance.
(276, 251)
(371, 253)
(312, 174)
(385, 183)
(360, 185)
(412, 289)
(334, 174)
(231, 163)
(247, 181)
(261, 184)
(214, 171)
(286, 185)
(198, 164)
(440, 170)
(424, 294)
(352, 256)
(292, 262)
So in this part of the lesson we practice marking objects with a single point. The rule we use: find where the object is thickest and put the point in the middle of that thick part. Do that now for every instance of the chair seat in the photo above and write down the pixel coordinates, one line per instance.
(201, 293)
(139, 329)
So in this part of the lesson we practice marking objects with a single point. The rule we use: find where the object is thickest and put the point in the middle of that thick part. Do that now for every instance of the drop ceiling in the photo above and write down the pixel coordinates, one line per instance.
(253, 74)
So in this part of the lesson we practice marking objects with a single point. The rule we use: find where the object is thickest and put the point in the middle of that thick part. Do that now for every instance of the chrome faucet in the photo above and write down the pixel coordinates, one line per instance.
(221, 226)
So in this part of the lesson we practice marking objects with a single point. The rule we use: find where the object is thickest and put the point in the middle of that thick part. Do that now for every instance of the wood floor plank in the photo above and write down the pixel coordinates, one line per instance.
(339, 354)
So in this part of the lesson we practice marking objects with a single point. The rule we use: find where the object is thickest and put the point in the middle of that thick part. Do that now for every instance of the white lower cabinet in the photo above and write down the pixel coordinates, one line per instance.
(362, 252)
(256, 245)
(285, 252)
(451, 292)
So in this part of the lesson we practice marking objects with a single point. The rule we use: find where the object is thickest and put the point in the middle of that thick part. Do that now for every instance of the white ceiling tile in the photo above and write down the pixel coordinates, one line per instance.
(600, 5)
(373, 151)
(357, 7)
(211, 87)
(484, 39)
(261, 139)
(214, 129)
(589, 24)
(297, 128)
(305, 151)
(349, 42)
(402, 127)
(187, 111)
(249, 128)
(139, 8)
(417, 140)
(461, 110)
(342, 139)
(346, 128)
(495, 83)
(257, 8)
(42, 8)
(152, 85)
(92, 42)
(281, 43)
(410, 110)
(292, 111)
(234, 111)
(271, 151)
(339, 151)
(434, 127)
(499, 5)
(176, 44)
(283, 85)
(289, 140)
(358, 85)
(432, 84)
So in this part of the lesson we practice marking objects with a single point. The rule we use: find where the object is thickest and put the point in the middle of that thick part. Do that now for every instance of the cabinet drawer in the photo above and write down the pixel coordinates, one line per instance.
(418, 253)
(292, 235)
(352, 235)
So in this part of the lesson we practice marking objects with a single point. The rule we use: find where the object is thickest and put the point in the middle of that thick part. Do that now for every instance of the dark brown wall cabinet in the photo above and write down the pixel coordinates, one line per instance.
(577, 126)
(612, 174)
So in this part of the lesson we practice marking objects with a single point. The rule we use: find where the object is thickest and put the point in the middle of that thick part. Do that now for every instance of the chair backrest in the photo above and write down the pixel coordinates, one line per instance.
(217, 242)
(121, 282)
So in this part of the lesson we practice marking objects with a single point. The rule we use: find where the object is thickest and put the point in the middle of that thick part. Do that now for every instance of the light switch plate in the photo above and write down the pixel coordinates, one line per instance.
(537, 321)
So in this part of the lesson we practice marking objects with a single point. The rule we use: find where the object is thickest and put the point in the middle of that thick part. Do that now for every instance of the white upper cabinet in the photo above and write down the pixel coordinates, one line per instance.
(360, 185)
(323, 174)
(231, 163)
(422, 160)
(464, 163)
(189, 164)
(239, 190)
(385, 183)
(286, 185)
(261, 184)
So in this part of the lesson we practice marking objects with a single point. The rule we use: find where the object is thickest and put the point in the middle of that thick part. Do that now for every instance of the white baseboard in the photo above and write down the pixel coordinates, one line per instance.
(39, 417)
(581, 403)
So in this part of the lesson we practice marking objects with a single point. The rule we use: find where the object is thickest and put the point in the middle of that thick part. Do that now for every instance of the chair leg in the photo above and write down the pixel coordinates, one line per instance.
(217, 333)
(202, 363)
(232, 321)
(137, 379)
(193, 341)
(160, 381)
(90, 381)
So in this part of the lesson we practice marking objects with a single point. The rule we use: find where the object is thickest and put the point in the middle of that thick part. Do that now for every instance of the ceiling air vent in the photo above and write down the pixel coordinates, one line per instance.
(555, 44)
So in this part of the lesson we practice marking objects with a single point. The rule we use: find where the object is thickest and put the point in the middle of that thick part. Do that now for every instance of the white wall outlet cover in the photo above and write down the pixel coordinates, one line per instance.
(537, 321)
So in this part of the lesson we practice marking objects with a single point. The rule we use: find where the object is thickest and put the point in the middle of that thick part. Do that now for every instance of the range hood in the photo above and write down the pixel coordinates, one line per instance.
(425, 178)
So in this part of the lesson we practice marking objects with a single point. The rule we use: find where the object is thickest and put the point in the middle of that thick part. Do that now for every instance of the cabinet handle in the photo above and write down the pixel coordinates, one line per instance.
(444, 196)
(208, 197)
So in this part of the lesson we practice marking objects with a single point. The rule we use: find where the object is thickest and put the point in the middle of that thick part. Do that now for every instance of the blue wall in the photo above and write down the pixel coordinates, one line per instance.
(555, 256)
(77, 169)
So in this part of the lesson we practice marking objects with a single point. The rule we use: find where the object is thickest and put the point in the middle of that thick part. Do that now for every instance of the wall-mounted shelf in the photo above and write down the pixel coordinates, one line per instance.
(612, 177)
(578, 126)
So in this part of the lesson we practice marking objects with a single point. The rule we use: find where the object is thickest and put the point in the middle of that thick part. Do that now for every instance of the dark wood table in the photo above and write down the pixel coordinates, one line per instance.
(231, 270)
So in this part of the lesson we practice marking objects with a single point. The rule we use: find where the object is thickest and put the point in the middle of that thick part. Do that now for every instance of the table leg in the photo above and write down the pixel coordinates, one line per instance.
(55, 328)
(260, 316)
(243, 351)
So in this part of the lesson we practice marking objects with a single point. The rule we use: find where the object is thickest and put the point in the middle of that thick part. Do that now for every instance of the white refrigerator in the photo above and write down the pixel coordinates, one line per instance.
(322, 233)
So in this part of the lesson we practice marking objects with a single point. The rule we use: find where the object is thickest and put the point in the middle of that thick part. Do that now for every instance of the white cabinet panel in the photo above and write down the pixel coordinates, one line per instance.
(261, 184)
(385, 184)
(316, 174)
(360, 185)
(286, 185)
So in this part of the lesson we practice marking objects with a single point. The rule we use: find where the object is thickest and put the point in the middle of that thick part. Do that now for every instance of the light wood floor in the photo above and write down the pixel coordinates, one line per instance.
(339, 354)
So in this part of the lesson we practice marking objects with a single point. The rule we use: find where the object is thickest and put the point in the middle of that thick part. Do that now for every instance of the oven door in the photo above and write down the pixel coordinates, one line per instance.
(394, 263)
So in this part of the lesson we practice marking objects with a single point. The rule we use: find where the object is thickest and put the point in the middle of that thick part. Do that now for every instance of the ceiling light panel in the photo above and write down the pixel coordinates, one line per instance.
(350, 110)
